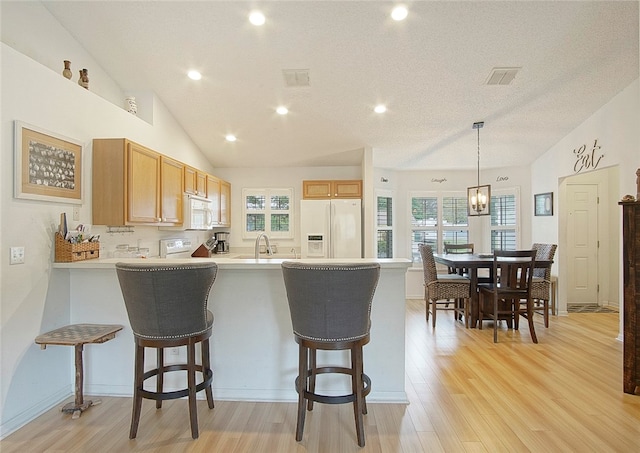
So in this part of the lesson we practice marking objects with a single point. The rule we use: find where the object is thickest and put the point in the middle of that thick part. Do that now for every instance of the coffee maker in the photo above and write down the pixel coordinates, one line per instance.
(222, 242)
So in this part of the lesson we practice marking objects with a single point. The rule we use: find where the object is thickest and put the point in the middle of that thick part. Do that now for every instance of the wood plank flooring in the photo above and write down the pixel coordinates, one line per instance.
(466, 394)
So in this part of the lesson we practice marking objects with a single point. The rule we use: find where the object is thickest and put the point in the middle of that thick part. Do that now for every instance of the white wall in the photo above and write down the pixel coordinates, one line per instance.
(33, 380)
(615, 126)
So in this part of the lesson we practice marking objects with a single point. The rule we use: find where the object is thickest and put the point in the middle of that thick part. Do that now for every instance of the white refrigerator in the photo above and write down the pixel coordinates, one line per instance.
(331, 228)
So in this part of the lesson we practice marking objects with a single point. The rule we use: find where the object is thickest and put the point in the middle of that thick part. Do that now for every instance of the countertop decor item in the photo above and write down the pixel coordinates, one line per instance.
(67, 69)
(130, 105)
(83, 81)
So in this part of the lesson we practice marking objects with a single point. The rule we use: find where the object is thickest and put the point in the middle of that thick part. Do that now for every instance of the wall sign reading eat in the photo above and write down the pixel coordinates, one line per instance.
(587, 160)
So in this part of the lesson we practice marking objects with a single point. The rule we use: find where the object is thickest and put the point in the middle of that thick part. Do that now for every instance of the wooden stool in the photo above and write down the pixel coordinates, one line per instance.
(78, 335)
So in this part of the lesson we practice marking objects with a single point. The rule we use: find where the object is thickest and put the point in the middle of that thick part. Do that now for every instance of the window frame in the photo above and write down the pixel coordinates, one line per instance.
(440, 228)
(517, 226)
(390, 228)
(268, 211)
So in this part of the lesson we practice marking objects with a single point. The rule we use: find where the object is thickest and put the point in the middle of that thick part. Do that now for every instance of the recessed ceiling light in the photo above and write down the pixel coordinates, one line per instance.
(380, 108)
(399, 13)
(194, 75)
(282, 110)
(230, 138)
(256, 18)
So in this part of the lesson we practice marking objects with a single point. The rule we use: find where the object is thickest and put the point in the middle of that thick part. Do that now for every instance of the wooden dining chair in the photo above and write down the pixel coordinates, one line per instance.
(501, 300)
(458, 248)
(442, 289)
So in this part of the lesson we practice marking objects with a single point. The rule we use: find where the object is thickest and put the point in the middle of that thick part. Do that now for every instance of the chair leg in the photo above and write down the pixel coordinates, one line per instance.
(191, 385)
(495, 319)
(545, 304)
(301, 384)
(312, 376)
(466, 312)
(434, 310)
(359, 407)
(206, 365)
(532, 328)
(137, 386)
(160, 376)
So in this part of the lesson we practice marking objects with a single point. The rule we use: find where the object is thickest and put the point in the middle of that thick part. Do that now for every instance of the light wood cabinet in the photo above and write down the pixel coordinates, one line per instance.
(172, 182)
(134, 185)
(225, 203)
(341, 188)
(213, 194)
(631, 303)
(195, 182)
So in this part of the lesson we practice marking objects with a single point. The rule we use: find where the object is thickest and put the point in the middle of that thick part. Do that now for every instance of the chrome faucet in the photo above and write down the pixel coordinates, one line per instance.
(266, 240)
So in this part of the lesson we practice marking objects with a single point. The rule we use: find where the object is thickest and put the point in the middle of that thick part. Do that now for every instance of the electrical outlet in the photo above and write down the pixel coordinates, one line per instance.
(17, 255)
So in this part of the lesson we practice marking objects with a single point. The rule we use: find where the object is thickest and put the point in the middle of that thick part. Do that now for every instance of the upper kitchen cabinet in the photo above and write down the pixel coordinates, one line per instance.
(219, 192)
(171, 184)
(225, 203)
(195, 182)
(322, 189)
(134, 185)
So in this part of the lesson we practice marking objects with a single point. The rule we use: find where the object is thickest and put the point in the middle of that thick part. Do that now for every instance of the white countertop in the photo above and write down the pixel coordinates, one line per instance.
(231, 263)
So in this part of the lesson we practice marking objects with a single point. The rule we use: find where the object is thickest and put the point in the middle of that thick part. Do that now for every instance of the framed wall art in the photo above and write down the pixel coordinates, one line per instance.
(48, 167)
(543, 203)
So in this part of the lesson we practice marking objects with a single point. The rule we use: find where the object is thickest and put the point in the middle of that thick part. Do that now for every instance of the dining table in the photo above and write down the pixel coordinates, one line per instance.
(471, 263)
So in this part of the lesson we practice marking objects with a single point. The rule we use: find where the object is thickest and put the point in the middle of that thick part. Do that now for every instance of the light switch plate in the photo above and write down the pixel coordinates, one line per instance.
(17, 255)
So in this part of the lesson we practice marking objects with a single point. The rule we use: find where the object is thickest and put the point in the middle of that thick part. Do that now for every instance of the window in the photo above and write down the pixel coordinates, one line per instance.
(455, 223)
(436, 219)
(504, 222)
(267, 211)
(384, 224)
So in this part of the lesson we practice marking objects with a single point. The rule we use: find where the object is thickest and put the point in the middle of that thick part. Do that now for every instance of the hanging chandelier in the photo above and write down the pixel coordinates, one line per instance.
(479, 197)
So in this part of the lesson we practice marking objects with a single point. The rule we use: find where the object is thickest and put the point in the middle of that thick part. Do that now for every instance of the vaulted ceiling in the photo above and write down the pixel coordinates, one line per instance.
(430, 70)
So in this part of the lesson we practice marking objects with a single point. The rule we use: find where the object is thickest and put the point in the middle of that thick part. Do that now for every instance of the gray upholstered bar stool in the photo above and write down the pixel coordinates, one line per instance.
(167, 308)
(330, 307)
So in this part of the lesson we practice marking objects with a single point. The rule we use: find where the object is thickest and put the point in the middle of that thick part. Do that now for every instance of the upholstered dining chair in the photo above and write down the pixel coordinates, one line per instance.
(541, 283)
(501, 300)
(442, 289)
(330, 307)
(167, 308)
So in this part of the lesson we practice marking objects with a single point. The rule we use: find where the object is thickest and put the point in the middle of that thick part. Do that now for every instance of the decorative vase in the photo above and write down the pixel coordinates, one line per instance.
(67, 69)
(130, 105)
(83, 81)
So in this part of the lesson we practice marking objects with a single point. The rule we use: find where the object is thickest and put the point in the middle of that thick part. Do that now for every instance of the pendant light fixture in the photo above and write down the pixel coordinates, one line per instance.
(479, 197)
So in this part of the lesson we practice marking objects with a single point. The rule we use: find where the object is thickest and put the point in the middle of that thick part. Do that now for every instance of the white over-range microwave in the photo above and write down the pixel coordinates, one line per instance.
(198, 213)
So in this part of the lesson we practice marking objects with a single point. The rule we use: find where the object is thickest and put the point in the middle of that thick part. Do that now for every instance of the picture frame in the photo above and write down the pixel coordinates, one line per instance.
(543, 204)
(48, 166)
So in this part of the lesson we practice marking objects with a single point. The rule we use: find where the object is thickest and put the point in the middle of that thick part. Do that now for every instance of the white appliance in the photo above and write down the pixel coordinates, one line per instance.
(198, 213)
(176, 248)
(331, 228)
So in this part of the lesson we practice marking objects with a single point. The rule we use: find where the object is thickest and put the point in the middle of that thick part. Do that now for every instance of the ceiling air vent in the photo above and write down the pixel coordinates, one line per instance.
(296, 77)
(502, 76)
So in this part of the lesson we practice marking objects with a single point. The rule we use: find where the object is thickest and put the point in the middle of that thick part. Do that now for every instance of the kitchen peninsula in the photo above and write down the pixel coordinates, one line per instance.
(253, 351)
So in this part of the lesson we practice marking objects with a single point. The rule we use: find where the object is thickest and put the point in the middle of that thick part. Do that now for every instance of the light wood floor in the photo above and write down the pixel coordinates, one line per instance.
(466, 395)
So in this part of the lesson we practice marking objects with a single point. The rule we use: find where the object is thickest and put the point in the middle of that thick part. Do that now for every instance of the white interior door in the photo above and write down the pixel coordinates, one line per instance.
(582, 244)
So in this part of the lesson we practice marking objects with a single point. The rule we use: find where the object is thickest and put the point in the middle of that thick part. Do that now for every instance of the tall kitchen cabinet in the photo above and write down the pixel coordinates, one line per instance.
(631, 278)
(339, 188)
(219, 192)
(134, 185)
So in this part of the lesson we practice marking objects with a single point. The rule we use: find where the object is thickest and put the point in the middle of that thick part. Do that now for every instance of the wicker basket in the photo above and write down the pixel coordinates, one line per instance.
(66, 252)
